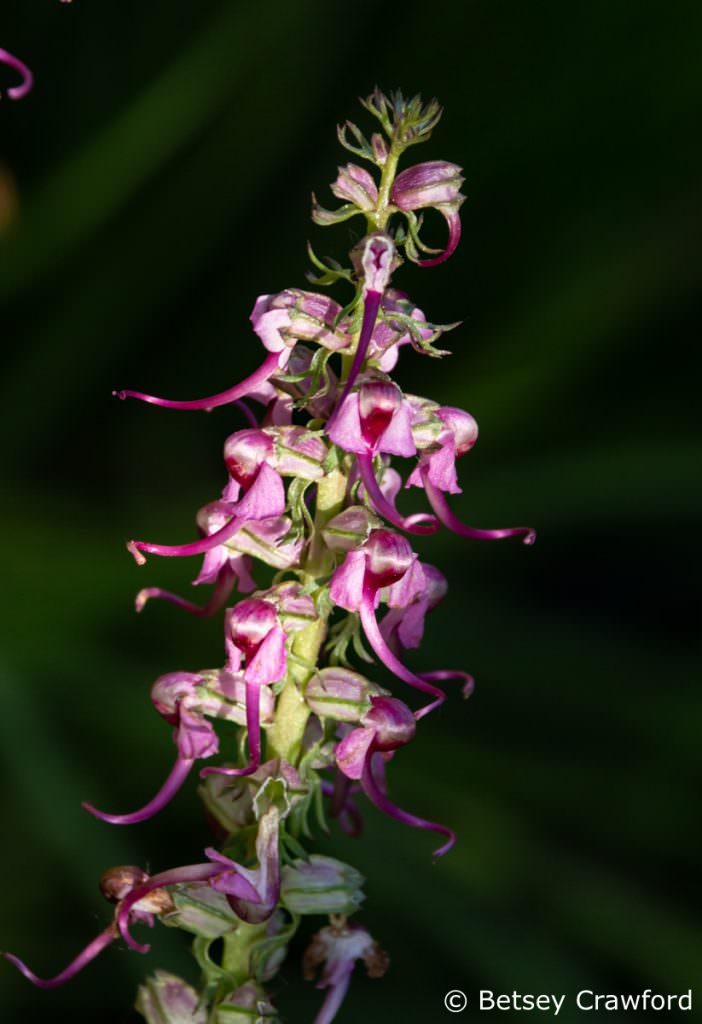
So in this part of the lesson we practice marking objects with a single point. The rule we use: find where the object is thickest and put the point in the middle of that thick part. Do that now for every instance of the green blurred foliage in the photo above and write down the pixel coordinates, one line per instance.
(162, 168)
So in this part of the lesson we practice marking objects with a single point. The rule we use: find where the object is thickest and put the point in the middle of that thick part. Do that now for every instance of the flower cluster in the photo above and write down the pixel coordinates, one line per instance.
(310, 490)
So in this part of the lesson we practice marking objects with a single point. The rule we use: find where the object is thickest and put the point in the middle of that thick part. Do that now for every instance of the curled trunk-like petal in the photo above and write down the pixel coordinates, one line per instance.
(197, 547)
(420, 523)
(168, 790)
(253, 725)
(371, 305)
(381, 801)
(17, 92)
(453, 220)
(89, 953)
(440, 506)
(265, 497)
(342, 807)
(219, 597)
(444, 675)
(175, 876)
(377, 641)
(274, 361)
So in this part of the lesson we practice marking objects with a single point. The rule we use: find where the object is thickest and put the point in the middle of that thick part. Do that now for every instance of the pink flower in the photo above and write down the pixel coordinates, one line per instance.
(435, 184)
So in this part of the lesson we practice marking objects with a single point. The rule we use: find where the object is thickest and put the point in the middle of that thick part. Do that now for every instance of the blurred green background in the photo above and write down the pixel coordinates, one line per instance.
(154, 183)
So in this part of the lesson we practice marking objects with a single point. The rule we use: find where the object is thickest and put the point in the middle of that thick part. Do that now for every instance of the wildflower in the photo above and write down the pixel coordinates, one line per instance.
(357, 186)
(256, 632)
(388, 724)
(262, 497)
(436, 472)
(185, 700)
(373, 420)
(118, 886)
(338, 947)
(279, 321)
(435, 184)
(17, 92)
(404, 623)
(376, 264)
(382, 561)
(252, 893)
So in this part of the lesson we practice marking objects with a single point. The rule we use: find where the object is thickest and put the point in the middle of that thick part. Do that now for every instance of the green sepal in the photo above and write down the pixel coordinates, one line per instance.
(332, 460)
(326, 218)
(414, 328)
(302, 521)
(405, 121)
(363, 148)
(343, 633)
(331, 272)
(291, 848)
(263, 950)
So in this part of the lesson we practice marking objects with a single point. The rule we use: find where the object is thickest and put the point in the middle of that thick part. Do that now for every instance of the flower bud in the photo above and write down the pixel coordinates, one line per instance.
(349, 528)
(321, 885)
(298, 452)
(357, 186)
(340, 694)
(296, 610)
(380, 149)
(269, 541)
(427, 425)
(435, 183)
(245, 451)
(167, 999)
(202, 910)
(228, 802)
(294, 315)
(249, 1004)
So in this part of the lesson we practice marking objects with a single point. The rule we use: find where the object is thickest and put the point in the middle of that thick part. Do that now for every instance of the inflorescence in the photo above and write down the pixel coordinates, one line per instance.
(312, 493)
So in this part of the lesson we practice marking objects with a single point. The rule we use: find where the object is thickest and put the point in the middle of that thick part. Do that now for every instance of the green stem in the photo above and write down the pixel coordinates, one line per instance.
(236, 959)
(284, 738)
(378, 219)
(331, 491)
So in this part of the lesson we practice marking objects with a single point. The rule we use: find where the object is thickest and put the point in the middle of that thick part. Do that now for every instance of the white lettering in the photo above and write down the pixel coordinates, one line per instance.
(687, 999)
(631, 1002)
(579, 999)
(487, 1001)
(558, 1003)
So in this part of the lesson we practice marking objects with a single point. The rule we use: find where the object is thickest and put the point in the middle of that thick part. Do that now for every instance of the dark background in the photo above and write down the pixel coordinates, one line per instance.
(153, 184)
